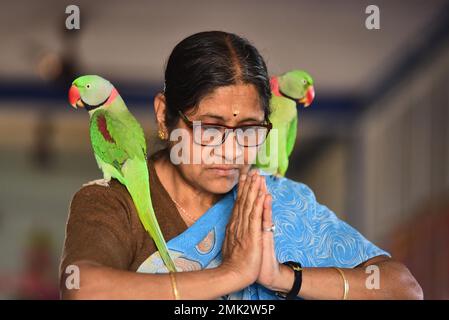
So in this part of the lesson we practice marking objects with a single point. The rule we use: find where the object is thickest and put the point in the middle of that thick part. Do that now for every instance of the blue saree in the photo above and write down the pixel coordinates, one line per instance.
(306, 231)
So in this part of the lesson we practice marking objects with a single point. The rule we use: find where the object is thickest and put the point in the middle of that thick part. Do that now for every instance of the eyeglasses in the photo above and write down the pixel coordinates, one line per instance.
(212, 134)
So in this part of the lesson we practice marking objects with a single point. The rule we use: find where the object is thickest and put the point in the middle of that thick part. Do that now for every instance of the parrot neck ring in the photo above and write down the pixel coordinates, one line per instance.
(303, 100)
(286, 95)
(90, 107)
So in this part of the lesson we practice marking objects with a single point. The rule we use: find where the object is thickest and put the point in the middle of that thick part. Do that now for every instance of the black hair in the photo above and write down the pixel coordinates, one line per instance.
(207, 60)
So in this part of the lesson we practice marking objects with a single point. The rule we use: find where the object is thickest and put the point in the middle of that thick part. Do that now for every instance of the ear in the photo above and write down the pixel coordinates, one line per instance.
(160, 107)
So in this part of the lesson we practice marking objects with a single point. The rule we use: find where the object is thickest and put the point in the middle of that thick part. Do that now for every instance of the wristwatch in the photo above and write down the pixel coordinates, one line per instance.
(293, 293)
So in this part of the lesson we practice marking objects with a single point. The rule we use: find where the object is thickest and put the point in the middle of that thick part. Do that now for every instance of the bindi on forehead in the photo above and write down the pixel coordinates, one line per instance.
(235, 109)
(234, 102)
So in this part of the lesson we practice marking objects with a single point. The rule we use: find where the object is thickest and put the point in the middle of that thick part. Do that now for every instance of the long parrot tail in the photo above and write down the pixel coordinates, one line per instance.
(136, 175)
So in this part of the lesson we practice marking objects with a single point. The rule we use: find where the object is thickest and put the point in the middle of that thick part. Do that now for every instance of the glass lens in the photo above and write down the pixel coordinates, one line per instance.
(208, 135)
(251, 136)
(212, 135)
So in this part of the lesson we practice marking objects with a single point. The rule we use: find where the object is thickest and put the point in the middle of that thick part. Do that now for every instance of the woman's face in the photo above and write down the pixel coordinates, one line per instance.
(216, 169)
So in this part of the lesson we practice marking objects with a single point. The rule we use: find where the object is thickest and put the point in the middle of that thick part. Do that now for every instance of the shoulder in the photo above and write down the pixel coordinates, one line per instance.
(299, 199)
(96, 200)
(321, 238)
(284, 189)
(94, 190)
(99, 227)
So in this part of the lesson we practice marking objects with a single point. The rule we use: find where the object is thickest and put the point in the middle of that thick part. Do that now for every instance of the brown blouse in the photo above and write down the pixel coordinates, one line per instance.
(103, 225)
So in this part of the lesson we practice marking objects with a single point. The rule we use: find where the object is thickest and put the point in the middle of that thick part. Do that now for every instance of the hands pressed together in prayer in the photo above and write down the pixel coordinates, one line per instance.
(248, 249)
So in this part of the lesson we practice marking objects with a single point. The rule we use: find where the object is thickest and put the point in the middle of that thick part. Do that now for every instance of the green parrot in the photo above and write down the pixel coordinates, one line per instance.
(119, 146)
(287, 90)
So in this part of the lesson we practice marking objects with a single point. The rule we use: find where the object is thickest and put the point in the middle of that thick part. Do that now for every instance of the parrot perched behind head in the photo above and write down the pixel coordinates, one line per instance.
(120, 149)
(287, 90)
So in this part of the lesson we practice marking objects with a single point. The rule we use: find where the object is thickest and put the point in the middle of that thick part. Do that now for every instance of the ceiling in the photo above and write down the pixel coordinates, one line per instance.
(132, 41)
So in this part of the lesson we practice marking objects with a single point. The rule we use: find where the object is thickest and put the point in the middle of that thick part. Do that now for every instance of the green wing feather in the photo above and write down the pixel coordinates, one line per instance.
(107, 152)
(122, 155)
(284, 119)
(291, 137)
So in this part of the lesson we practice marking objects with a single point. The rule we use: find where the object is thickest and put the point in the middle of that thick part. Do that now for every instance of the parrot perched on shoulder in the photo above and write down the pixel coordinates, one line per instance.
(287, 90)
(119, 146)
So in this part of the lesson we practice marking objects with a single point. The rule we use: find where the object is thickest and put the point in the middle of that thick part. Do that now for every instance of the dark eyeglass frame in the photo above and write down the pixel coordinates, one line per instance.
(268, 125)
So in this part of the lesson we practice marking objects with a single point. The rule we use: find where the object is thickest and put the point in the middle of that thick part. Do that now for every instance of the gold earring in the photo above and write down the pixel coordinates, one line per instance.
(162, 135)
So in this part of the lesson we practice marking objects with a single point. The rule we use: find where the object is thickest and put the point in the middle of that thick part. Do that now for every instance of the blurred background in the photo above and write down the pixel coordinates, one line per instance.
(374, 146)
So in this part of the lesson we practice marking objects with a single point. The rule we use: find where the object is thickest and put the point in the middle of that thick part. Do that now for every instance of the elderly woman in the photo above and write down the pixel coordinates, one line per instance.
(217, 214)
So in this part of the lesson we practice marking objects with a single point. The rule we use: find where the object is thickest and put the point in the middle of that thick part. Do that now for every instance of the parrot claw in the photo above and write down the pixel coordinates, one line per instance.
(99, 182)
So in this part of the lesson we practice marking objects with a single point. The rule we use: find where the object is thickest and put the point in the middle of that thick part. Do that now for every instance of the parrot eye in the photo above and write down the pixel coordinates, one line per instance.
(88, 86)
(304, 81)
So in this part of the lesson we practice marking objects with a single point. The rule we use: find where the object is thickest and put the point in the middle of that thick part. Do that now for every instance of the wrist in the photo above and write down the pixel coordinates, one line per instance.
(284, 282)
(232, 277)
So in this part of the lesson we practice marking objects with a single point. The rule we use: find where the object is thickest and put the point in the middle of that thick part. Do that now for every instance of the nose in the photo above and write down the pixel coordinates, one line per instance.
(230, 150)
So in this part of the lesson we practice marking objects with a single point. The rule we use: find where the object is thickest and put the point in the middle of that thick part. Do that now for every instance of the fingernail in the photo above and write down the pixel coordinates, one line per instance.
(260, 194)
(243, 177)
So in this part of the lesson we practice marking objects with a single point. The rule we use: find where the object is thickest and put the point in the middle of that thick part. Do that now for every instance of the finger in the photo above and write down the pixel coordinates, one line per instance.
(264, 185)
(244, 192)
(241, 185)
(255, 218)
(252, 171)
(237, 205)
(252, 194)
(249, 204)
(247, 185)
(246, 220)
(245, 170)
(267, 215)
(230, 232)
(267, 219)
(268, 237)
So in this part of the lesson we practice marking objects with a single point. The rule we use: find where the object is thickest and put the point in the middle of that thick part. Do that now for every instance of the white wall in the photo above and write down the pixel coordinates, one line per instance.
(405, 143)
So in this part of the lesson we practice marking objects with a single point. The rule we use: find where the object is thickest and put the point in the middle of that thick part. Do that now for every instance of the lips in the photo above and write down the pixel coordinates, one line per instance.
(223, 167)
(223, 170)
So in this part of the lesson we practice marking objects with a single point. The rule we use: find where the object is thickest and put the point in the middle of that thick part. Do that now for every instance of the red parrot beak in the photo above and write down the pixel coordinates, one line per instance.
(308, 97)
(75, 98)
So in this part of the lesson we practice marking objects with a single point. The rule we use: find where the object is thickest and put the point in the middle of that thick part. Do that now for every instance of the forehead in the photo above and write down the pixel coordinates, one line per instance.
(224, 101)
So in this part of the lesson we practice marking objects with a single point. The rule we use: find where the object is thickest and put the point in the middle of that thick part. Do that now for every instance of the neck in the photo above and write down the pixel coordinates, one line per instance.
(113, 102)
(195, 201)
